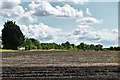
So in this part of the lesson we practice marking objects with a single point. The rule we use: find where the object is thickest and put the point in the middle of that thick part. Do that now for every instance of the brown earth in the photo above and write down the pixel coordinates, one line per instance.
(59, 58)
(61, 65)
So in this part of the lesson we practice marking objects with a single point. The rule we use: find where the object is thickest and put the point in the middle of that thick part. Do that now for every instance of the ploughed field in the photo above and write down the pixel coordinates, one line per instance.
(60, 65)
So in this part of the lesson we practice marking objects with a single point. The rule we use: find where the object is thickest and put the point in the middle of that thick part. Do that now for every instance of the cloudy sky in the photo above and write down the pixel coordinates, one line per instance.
(76, 21)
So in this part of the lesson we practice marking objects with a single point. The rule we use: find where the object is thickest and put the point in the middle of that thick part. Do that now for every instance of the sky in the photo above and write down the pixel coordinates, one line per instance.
(76, 21)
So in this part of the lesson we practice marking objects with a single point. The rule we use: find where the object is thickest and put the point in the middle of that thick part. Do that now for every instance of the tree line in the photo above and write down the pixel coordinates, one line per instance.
(113, 48)
(32, 43)
(13, 38)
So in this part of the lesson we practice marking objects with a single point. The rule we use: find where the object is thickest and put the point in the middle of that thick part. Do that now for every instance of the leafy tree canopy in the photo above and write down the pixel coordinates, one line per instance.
(12, 36)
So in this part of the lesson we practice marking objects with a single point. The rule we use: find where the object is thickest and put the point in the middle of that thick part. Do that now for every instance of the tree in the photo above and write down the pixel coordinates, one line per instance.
(35, 42)
(92, 47)
(28, 44)
(44, 46)
(73, 47)
(12, 36)
(111, 48)
(83, 46)
(31, 44)
(66, 45)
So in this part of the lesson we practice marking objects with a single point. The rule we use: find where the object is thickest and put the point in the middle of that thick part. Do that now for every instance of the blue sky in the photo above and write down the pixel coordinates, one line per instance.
(86, 21)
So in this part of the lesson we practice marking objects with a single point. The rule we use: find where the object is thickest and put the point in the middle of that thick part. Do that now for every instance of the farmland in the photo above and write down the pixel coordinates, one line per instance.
(60, 65)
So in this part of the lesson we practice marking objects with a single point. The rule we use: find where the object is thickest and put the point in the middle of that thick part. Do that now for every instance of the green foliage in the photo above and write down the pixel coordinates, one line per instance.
(84, 47)
(71, 47)
(34, 44)
(12, 37)
(113, 48)
(34, 41)
(31, 44)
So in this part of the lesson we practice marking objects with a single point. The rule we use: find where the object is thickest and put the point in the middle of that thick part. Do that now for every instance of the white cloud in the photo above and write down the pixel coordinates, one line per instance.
(88, 12)
(80, 30)
(15, 1)
(33, 5)
(17, 12)
(82, 33)
(12, 13)
(41, 32)
(108, 35)
(67, 1)
(89, 20)
(77, 1)
(73, 1)
(1, 30)
(115, 30)
(69, 11)
(44, 8)
(11, 9)
(27, 18)
(87, 34)
(9, 4)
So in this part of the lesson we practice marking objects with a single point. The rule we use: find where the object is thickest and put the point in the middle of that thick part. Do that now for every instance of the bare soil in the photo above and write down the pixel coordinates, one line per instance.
(61, 65)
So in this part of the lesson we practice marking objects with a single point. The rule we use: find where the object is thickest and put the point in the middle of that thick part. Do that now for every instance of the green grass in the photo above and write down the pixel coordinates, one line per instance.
(5, 50)
(37, 50)
(8, 50)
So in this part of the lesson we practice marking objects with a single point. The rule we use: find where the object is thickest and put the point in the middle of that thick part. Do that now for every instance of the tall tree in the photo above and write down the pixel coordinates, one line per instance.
(12, 36)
